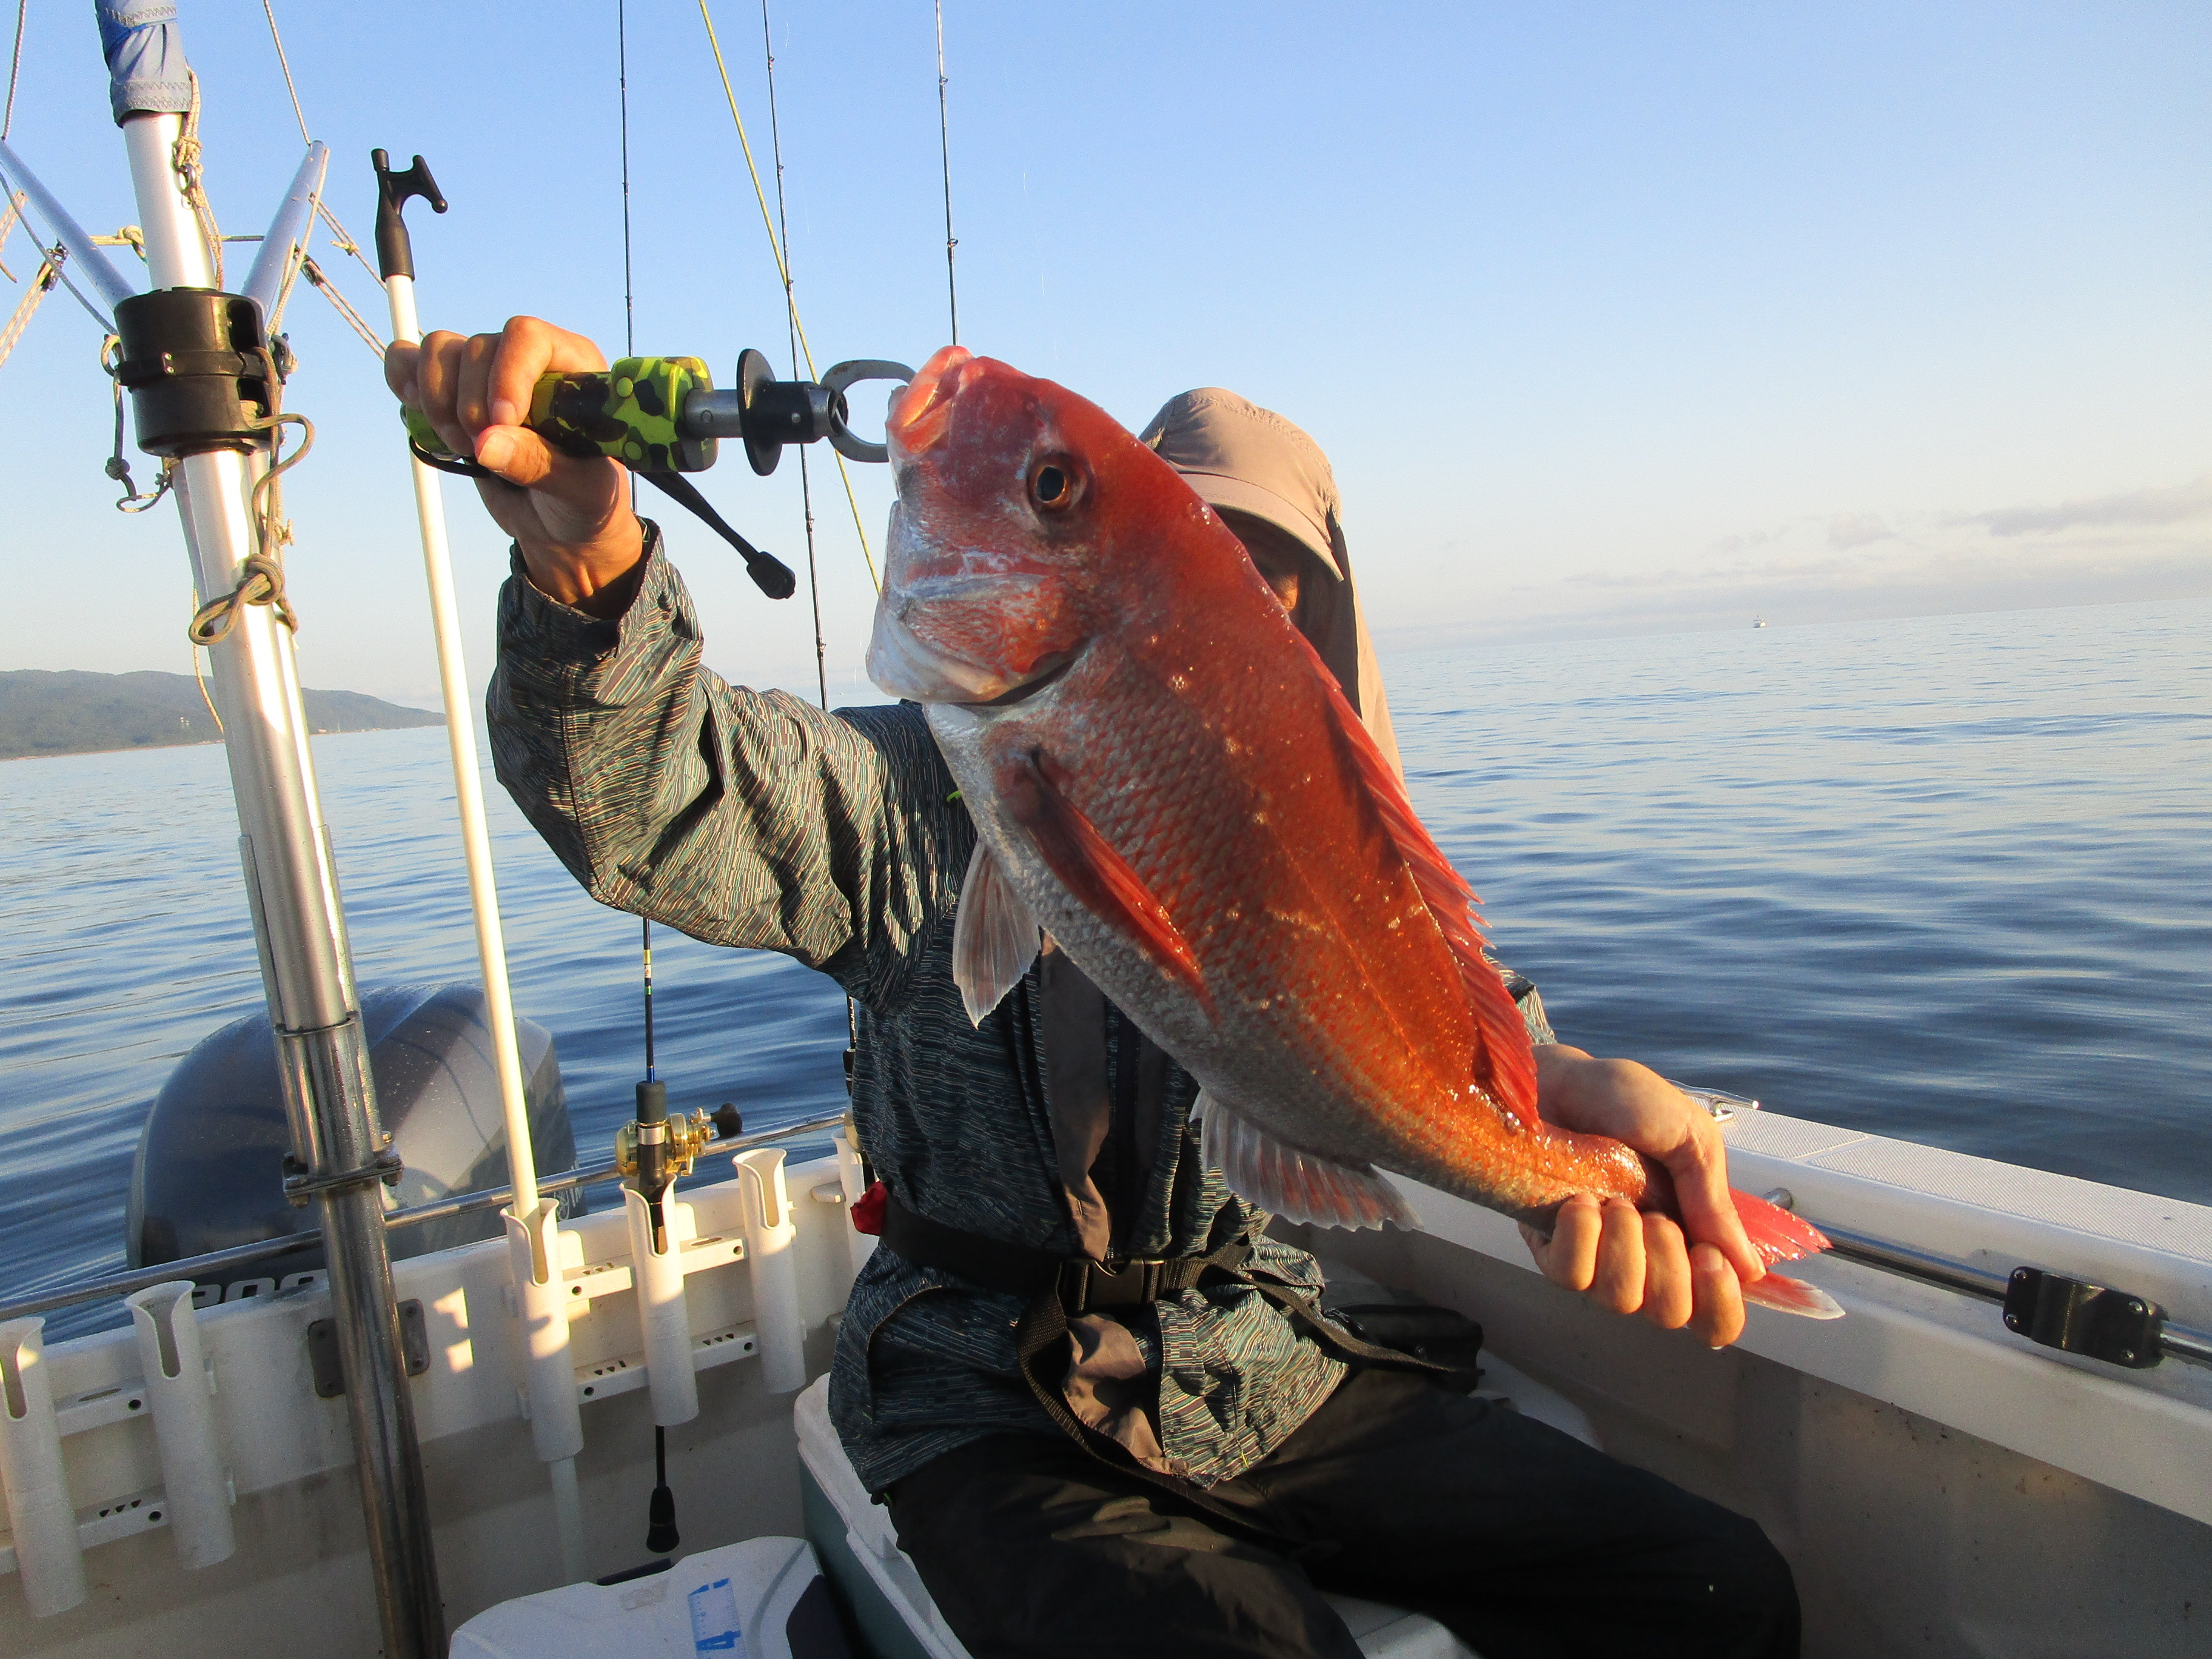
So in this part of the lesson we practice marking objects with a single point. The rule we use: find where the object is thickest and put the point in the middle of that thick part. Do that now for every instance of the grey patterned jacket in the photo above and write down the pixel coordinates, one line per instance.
(754, 818)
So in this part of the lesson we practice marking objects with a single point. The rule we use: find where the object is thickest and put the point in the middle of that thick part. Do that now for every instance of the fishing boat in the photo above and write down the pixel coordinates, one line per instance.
(2004, 1448)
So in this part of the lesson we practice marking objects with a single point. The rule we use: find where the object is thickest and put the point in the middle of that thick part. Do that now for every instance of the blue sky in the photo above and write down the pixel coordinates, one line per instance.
(1615, 318)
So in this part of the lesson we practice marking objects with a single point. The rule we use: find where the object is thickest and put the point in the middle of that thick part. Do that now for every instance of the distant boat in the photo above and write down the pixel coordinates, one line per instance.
(1759, 621)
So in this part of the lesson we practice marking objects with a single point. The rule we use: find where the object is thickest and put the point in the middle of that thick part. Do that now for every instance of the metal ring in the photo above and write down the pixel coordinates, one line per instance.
(385, 1168)
(850, 374)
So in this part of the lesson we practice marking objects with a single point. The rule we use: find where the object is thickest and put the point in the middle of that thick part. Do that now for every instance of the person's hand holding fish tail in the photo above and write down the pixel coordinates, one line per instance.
(1689, 1274)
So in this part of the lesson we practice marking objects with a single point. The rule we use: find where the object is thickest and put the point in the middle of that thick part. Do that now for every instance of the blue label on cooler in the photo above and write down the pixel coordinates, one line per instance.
(714, 1619)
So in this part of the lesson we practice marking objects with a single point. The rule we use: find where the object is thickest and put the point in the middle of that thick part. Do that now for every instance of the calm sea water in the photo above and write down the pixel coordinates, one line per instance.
(1946, 878)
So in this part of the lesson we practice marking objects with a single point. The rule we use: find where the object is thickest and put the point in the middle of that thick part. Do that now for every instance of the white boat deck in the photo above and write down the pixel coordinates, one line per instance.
(1925, 1469)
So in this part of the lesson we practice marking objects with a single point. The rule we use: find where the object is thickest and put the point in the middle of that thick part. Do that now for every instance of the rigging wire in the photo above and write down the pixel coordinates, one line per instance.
(342, 238)
(791, 315)
(269, 10)
(783, 270)
(944, 149)
(15, 65)
(621, 86)
(629, 350)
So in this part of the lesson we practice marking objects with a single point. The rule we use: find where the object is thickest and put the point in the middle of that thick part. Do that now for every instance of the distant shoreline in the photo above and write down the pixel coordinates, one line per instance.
(46, 714)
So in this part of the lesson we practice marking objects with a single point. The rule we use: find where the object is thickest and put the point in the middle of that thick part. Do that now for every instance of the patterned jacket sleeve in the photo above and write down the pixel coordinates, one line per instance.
(739, 816)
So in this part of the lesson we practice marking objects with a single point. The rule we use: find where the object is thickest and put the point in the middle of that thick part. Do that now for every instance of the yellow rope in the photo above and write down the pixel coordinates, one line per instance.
(185, 157)
(783, 270)
(41, 285)
(202, 678)
(7, 223)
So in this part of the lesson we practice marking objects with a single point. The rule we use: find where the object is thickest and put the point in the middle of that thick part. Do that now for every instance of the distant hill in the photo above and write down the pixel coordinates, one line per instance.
(69, 713)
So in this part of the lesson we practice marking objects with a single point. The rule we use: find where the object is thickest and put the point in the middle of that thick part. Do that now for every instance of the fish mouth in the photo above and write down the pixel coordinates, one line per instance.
(1054, 670)
(902, 665)
(923, 412)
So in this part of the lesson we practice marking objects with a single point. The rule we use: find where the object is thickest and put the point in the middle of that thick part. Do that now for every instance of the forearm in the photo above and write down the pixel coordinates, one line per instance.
(741, 817)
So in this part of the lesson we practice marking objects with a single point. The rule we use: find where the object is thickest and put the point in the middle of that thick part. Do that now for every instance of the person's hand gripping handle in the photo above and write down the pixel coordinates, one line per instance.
(570, 516)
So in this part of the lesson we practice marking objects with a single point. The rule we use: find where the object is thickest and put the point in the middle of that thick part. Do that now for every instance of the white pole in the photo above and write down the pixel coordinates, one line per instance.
(555, 1424)
(468, 788)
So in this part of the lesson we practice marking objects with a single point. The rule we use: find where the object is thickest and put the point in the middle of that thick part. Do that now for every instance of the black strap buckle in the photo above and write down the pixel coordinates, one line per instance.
(1085, 1286)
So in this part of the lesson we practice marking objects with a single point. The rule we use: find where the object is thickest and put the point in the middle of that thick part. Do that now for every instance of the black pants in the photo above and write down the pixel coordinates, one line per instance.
(1521, 1539)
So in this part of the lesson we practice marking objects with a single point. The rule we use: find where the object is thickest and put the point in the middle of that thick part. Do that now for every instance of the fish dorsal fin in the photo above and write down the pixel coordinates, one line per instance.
(1295, 1185)
(1509, 1076)
(994, 937)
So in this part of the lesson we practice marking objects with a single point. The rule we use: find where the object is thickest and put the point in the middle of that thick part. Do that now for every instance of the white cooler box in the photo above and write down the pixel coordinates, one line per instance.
(859, 1549)
(762, 1599)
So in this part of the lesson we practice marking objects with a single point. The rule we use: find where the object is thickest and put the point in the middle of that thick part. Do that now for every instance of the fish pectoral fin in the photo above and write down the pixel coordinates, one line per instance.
(1793, 1296)
(994, 937)
(1096, 876)
(1295, 1185)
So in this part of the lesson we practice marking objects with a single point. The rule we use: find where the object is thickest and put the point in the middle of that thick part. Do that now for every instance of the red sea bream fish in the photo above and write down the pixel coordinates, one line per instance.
(1165, 776)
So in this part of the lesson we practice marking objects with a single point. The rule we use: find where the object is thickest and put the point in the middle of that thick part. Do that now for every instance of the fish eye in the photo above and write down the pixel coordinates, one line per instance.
(1054, 484)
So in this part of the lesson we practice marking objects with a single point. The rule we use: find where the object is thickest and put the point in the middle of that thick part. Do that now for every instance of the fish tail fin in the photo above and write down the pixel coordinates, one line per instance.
(1506, 1063)
(1775, 1234)
(1793, 1296)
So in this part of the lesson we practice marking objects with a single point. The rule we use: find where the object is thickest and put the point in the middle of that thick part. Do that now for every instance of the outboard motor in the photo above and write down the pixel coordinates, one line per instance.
(208, 1172)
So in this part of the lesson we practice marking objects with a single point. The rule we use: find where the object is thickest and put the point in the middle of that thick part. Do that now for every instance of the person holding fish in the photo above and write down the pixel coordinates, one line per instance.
(1146, 944)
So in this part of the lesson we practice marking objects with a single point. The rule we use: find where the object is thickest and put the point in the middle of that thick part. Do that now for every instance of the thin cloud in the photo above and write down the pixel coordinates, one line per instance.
(2177, 504)
(1850, 530)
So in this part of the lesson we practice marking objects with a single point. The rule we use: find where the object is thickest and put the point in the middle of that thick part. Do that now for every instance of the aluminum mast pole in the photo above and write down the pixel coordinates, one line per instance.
(339, 1145)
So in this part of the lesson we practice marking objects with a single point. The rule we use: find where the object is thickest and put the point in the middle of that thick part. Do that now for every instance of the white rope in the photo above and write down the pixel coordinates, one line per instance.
(14, 66)
(284, 63)
(342, 239)
(328, 290)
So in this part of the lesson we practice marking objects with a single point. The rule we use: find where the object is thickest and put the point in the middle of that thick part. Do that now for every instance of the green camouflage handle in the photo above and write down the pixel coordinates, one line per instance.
(631, 413)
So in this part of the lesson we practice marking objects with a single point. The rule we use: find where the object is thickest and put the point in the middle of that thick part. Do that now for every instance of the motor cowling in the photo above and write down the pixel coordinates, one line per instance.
(208, 1172)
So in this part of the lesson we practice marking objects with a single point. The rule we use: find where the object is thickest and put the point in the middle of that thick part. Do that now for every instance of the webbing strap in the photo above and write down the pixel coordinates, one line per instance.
(1060, 1289)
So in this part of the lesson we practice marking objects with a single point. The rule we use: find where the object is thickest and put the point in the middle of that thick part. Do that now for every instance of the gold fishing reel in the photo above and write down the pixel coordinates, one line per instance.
(688, 1137)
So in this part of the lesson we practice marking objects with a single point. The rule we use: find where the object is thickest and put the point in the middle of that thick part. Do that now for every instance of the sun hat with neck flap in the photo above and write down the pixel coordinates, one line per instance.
(1242, 458)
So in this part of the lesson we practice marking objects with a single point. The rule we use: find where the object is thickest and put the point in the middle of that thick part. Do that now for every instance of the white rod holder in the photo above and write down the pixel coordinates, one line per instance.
(195, 1486)
(39, 1513)
(858, 1245)
(533, 1254)
(664, 1319)
(568, 1517)
(779, 1325)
